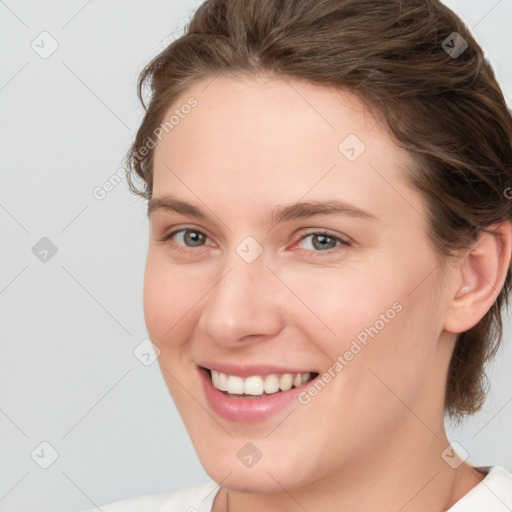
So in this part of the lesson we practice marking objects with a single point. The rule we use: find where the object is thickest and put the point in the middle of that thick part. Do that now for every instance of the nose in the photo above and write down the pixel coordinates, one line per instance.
(243, 304)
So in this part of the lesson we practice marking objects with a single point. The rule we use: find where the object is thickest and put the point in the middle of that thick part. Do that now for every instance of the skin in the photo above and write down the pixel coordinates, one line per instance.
(372, 438)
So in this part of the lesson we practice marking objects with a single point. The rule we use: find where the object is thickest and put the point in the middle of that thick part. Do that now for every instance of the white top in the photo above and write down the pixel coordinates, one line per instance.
(492, 494)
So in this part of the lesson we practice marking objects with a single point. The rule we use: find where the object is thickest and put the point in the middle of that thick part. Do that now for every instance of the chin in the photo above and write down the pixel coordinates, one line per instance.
(265, 476)
(249, 480)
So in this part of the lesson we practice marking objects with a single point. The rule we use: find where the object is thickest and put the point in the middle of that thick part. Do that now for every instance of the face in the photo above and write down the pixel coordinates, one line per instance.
(301, 250)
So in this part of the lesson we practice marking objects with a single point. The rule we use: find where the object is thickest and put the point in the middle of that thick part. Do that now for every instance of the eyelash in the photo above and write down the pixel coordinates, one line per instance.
(342, 244)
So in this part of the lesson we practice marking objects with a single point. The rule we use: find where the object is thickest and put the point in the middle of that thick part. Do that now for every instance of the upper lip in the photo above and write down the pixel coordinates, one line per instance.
(252, 369)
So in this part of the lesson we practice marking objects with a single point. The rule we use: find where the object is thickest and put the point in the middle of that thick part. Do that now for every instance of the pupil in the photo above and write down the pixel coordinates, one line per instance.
(195, 238)
(324, 238)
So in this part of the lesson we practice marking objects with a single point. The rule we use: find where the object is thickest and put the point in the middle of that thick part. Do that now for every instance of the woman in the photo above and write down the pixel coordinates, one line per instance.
(330, 252)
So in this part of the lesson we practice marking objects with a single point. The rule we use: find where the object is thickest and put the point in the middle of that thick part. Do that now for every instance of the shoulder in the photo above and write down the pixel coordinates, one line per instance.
(494, 493)
(194, 498)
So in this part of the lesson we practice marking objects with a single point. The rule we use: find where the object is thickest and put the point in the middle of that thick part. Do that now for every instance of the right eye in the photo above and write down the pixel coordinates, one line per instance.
(190, 238)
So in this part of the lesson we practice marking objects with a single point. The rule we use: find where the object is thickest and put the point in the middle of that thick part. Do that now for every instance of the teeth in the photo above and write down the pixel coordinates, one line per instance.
(253, 386)
(286, 382)
(223, 382)
(235, 385)
(271, 384)
(256, 385)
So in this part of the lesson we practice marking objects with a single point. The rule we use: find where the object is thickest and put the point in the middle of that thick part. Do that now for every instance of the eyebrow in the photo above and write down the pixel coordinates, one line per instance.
(280, 213)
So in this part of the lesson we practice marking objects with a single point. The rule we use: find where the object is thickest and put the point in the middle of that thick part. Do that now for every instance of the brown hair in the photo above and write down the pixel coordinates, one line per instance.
(446, 110)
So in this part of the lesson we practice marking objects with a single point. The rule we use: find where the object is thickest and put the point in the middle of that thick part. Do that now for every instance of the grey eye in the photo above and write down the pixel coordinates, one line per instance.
(192, 238)
(321, 241)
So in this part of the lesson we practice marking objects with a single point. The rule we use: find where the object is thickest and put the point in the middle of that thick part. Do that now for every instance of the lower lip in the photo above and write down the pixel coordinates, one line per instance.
(247, 410)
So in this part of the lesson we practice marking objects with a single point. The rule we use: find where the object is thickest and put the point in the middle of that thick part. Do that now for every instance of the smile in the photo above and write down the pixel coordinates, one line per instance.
(248, 394)
(256, 385)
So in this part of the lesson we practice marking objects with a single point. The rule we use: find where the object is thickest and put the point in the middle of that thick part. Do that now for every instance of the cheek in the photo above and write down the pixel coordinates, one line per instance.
(378, 319)
(381, 350)
(333, 306)
(170, 294)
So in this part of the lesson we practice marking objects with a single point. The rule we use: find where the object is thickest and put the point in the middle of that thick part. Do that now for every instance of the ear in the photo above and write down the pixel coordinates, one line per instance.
(479, 277)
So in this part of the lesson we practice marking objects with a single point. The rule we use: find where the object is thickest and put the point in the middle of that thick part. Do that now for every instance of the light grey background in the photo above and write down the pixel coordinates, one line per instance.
(68, 375)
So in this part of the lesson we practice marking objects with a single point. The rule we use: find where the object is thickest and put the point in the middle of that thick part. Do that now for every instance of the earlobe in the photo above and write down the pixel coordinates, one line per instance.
(479, 278)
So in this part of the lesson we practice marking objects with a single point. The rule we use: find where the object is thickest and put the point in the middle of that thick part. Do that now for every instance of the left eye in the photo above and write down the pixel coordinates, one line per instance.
(323, 241)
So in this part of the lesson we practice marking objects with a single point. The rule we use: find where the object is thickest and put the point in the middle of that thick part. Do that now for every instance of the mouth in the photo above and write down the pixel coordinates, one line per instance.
(257, 386)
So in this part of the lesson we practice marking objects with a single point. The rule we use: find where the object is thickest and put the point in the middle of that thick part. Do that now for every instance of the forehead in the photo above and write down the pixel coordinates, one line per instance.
(266, 139)
(262, 107)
